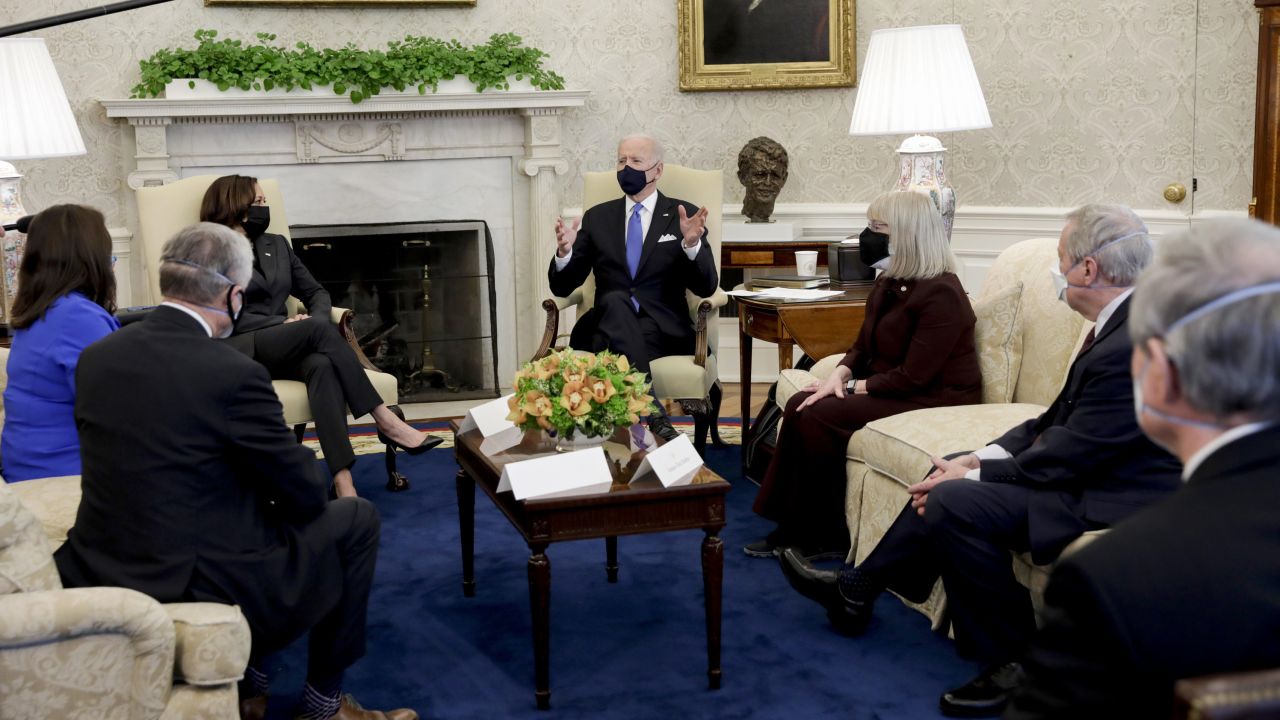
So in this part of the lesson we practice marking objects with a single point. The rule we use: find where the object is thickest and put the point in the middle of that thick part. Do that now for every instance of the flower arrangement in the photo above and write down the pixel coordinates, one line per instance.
(572, 392)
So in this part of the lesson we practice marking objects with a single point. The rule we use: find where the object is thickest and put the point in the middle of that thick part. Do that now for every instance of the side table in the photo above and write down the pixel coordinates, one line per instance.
(820, 327)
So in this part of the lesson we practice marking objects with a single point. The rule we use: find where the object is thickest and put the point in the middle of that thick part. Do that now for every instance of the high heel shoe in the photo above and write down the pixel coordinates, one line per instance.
(429, 442)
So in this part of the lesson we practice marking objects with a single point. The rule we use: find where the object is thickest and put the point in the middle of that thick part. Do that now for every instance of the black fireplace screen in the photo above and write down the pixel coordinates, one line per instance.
(423, 296)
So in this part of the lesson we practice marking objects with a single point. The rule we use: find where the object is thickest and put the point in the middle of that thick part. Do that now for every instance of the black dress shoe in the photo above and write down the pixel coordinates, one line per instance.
(848, 617)
(429, 442)
(985, 695)
(253, 708)
(660, 426)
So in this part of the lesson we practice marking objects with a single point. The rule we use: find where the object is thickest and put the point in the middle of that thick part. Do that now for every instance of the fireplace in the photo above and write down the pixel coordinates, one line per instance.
(392, 158)
(424, 299)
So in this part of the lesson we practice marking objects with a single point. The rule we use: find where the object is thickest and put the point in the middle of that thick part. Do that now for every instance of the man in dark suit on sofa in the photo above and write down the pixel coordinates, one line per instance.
(193, 488)
(646, 250)
(1081, 465)
(1190, 586)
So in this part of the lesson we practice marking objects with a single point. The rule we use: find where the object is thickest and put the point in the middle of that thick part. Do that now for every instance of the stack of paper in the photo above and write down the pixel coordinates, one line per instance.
(778, 293)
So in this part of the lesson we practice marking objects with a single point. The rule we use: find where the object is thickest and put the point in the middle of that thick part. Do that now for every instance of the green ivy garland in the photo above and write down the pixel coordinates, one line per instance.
(415, 61)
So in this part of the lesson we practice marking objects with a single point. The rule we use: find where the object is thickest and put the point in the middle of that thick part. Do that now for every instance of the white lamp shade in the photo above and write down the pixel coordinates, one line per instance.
(918, 80)
(35, 118)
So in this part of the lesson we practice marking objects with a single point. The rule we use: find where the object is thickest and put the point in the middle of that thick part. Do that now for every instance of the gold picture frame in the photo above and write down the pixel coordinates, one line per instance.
(344, 3)
(766, 44)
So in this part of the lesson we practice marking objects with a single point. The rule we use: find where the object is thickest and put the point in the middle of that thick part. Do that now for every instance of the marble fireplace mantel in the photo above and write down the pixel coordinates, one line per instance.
(507, 144)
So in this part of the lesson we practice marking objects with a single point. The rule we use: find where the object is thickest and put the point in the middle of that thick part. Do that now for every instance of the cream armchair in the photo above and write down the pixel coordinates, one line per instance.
(691, 380)
(101, 652)
(164, 210)
(104, 651)
(1026, 339)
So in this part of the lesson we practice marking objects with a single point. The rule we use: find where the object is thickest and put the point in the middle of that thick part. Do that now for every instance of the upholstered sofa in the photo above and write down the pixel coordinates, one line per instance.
(1026, 339)
(101, 652)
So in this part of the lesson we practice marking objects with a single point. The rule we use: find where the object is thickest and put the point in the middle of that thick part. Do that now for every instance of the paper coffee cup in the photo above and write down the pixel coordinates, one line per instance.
(806, 262)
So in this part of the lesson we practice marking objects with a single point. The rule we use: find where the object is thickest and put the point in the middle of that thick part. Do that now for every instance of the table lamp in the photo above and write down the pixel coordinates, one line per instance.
(920, 80)
(35, 122)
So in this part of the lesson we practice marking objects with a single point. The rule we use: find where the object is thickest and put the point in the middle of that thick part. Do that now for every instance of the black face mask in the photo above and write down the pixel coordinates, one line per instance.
(631, 180)
(256, 221)
(872, 246)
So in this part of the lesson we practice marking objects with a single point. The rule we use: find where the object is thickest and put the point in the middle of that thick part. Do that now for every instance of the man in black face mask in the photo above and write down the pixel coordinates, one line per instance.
(646, 250)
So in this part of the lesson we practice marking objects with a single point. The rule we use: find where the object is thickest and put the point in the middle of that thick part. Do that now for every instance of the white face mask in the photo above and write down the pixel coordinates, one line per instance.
(1060, 282)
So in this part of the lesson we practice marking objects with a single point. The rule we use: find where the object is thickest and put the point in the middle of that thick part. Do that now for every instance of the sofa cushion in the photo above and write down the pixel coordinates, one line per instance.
(54, 501)
(26, 559)
(212, 642)
(998, 338)
(900, 446)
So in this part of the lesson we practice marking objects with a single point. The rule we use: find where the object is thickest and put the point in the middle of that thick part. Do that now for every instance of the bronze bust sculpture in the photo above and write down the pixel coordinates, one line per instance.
(762, 169)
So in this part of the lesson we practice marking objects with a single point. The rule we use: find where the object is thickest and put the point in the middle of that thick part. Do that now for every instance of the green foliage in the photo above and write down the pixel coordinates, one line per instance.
(420, 62)
(572, 392)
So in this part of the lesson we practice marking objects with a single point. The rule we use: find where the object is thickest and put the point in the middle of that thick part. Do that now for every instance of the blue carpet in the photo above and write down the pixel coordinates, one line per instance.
(636, 649)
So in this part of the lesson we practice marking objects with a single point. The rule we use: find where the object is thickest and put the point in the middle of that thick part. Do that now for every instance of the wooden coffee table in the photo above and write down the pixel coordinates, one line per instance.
(643, 507)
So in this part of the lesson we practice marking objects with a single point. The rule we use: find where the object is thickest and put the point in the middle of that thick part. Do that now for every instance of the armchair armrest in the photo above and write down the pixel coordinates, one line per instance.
(705, 310)
(342, 317)
(552, 307)
(212, 642)
(33, 624)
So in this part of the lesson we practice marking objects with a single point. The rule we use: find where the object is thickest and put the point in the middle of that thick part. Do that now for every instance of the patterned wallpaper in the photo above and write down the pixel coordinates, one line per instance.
(1092, 100)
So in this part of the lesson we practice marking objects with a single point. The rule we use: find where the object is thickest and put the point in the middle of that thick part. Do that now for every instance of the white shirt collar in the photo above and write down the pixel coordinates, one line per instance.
(1226, 438)
(649, 203)
(203, 323)
(1108, 311)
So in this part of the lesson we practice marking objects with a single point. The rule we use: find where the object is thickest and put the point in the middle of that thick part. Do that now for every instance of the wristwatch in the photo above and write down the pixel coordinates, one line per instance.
(851, 386)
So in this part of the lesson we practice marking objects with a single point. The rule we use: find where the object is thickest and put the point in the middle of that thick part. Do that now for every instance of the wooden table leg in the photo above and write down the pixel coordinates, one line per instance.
(785, 351)
(466, 489)
(712, 580)
(744, 382)
(611, 557)
(540, 603)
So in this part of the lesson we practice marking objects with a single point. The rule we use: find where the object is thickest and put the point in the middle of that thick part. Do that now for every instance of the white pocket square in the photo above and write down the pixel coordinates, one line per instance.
(666, 238)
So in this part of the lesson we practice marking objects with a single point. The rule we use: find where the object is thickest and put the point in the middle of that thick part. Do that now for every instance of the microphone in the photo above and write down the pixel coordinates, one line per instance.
(21, 224)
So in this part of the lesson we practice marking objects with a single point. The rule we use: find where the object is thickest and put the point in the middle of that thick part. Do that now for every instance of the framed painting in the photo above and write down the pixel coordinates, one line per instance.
(342, 3)
(766, 44)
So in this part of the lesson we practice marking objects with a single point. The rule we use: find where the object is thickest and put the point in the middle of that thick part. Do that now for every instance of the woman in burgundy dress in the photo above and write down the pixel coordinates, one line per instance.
(915, 350)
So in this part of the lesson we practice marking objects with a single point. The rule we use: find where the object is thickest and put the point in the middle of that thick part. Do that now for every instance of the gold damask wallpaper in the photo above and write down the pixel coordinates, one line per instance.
(1091, 100)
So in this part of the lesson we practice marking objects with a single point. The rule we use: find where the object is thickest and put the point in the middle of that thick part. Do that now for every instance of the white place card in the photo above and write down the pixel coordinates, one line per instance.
(491, 420)
(583, 472)
(675, 463)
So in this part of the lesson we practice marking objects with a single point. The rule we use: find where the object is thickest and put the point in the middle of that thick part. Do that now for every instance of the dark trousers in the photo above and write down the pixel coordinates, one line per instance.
(314, 352)
(966, 536)
(803, 489)
(337, 640)
(615, 325)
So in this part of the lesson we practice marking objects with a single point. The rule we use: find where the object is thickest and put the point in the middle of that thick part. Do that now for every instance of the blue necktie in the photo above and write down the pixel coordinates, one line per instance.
(635, 243)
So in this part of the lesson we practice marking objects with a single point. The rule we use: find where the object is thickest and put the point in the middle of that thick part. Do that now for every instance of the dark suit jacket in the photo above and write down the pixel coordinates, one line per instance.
(1188, 587)
(183, 444)
(1086, 451)
(277, 274)
(916, 342)
(664, 274)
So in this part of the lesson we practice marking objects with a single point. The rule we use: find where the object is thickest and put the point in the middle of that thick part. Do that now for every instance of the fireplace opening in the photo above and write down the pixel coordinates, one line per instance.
(424, 300)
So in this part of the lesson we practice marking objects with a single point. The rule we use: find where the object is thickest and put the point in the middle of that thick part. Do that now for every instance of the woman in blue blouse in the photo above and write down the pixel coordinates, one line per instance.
(65, 300)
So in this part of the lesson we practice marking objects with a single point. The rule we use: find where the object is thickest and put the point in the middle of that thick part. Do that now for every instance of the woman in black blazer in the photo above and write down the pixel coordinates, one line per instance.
(303, 347)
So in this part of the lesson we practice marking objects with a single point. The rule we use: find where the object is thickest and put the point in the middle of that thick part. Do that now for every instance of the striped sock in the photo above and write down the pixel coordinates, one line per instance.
(321, 699)
(255, 682)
